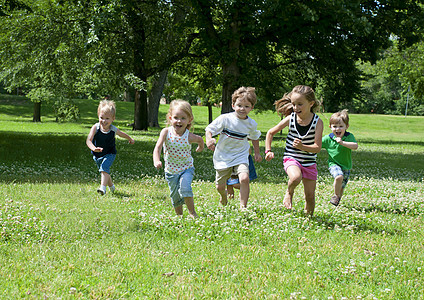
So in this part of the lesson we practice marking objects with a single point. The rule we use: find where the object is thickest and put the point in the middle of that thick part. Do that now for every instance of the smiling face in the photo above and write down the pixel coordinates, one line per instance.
(179, 119)
(105, 120)
(242, 108)
(338, 128)
(301, 106)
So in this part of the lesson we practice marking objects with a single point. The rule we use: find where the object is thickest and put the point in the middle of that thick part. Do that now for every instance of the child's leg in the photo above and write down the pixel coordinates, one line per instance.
(338, 181)
(178, 210)
(222, 176)
(189, 201)
(244, 189)
(223, 193)
(309, 189)
(230, 191)
(295, 177)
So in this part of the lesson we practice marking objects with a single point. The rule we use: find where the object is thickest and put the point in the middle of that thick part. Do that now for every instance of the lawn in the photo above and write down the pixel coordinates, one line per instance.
(60, 239)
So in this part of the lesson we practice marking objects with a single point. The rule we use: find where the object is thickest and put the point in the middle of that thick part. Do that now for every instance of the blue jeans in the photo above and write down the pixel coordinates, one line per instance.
(180, 186)
(105, 162)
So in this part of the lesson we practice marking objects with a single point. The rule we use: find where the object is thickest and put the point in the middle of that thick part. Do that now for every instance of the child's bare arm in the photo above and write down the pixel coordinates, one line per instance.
(89, 140)
(158, 148)
(125, 136)
(210, 141)
(197, 139)
(270, 135)
(258, 157)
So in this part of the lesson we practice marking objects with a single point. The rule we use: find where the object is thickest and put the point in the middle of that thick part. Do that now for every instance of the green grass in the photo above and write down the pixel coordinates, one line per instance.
(59, 239)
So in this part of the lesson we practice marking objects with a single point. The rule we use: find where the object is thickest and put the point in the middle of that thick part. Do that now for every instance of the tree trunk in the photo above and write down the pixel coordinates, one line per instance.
(140, 111)
(231, 81)
(36, 117)
(210, 112)
(155, 96)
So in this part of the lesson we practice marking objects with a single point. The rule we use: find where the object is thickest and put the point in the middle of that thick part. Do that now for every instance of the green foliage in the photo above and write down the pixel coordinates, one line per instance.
(66, 110)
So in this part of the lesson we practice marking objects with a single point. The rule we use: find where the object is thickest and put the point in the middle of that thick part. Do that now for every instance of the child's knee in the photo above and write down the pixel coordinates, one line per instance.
(244, 178)
(338, 179)
(295, 180)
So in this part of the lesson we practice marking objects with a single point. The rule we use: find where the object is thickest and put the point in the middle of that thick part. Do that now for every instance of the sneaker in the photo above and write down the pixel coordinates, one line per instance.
(101, 191)
(112, 188)
(335, 200)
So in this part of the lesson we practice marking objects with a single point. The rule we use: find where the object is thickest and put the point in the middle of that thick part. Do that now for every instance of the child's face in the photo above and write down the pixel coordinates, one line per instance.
(105, 120)
(301, 106)
(179, 120)
(338, 128)
(242, 108)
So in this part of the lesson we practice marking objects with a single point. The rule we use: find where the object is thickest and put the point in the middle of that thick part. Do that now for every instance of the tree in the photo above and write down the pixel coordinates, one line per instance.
(93, 47)
(326, 37)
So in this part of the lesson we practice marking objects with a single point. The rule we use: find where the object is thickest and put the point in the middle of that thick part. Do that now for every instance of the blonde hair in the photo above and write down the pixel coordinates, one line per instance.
(284, 105)
(244, 93)
(107, 106)
(340, 116)
(184, 106)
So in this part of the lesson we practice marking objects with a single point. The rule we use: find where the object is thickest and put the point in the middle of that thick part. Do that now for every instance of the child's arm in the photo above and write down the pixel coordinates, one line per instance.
(125, 136)
(270, 135)
(350, 145)
(258, 157)
(158, 148)
(316, 146)
(210, 141)
(89, 140)
(197, 139)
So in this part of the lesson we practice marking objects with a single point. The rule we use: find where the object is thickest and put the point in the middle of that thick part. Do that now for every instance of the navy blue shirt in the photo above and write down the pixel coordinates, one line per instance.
(105, 140)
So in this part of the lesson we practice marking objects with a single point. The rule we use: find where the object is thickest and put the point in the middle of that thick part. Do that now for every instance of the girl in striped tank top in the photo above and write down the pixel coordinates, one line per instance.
(176, 141)
(302, 144)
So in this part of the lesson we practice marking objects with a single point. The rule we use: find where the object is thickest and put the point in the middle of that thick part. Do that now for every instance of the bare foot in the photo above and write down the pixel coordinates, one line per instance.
(193, 215)
(287, 201)
(230, 192)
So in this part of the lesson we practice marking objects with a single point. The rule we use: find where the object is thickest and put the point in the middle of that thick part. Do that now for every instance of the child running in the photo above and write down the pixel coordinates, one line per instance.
(179, 169)
(101, 141)
(302, 144)
(339, 144)
(232, 151)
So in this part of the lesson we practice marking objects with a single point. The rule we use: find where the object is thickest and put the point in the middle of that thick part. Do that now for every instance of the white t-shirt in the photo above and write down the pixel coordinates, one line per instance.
(233, 146)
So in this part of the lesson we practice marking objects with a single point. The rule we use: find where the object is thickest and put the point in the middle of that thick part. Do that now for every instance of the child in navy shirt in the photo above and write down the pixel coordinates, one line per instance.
(101, 141)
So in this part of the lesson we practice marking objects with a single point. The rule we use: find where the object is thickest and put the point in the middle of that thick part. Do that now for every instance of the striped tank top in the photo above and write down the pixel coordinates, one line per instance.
(306, 159)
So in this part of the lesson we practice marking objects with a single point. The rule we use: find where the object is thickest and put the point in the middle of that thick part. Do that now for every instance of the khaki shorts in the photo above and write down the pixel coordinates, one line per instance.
(223, 174)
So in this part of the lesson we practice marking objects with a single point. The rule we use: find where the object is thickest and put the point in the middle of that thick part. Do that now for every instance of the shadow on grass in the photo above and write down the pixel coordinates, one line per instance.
(61, 157)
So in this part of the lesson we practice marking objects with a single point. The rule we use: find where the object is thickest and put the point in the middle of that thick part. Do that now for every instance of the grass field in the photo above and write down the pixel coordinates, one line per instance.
(59, 239)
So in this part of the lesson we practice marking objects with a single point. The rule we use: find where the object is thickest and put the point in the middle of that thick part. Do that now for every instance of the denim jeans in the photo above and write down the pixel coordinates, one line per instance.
(180, 186)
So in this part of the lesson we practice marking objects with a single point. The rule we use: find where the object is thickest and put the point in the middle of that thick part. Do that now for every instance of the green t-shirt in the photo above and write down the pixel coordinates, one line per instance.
(338, 154)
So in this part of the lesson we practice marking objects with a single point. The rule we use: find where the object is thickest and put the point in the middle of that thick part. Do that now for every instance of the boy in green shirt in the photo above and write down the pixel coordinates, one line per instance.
(339, 144)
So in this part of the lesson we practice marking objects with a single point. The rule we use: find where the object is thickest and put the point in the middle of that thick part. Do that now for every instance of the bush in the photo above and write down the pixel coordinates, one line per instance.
(66, 111)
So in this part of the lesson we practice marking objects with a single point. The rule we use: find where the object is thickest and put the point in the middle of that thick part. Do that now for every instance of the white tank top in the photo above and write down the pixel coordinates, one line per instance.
(177, 152)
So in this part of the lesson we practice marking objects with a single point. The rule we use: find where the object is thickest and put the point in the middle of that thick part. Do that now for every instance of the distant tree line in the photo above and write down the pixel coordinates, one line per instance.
(364, 55)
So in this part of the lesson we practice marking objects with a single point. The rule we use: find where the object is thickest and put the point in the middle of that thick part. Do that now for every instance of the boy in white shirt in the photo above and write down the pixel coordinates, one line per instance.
(232, 151)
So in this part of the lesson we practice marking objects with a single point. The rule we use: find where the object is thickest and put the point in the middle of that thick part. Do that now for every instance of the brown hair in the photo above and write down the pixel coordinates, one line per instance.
(184, 106)
(107, 106)
(340, 116)
(284, 106)
(247, 93)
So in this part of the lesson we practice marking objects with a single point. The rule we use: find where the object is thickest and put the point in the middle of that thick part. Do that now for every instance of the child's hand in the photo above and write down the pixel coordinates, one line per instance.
(131, 141)
(200, 148)
(258, 157)
(210, 143)
(297, 143)
(269, 156)
(158, 164)
(98, 149)
(338, 139)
